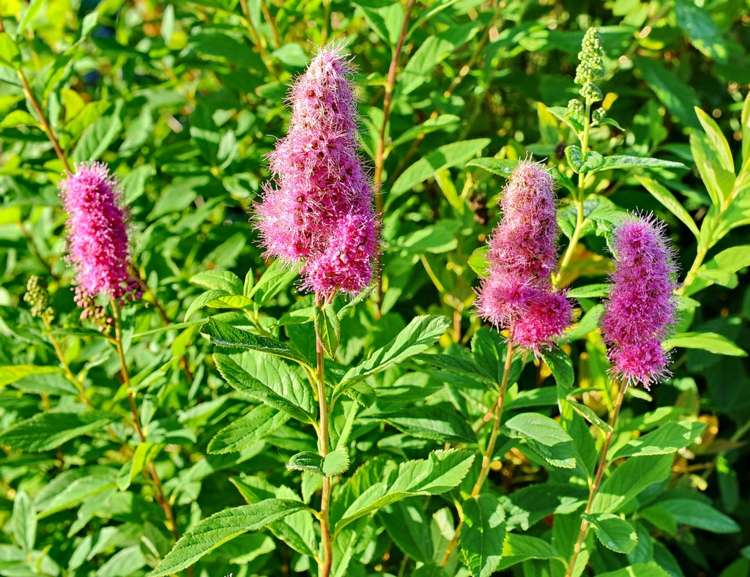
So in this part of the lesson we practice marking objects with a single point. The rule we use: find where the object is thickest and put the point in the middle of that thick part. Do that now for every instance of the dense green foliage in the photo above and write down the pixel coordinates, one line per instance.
(184, 100)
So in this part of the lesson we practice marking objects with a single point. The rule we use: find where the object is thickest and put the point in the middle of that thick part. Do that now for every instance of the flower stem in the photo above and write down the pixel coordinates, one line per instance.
(65, 366)
(577, 199)
(46, 127)
(125, 376)
(497, 414)
(390, 84)
(594, 488)
(324, 564)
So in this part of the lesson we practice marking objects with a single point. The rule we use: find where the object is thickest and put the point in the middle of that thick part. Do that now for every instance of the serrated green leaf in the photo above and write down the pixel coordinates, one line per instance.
(614, 533)
(305, 461)
(23, 522)
(47, 431)
(711, 342)
(598, 290)
(667, 199)
(247, 429)
(232, 339)
(545, 436)
(446, 156)
(220, 528)
(336, 463)
(12, 373)
(223, 280)
(650, 569)
(482, 535)
(620, 161)
(501, 166)
(419, 335)
(628, 480)
(270, 381)
(696, 513)
(274, 279)
(667, 439)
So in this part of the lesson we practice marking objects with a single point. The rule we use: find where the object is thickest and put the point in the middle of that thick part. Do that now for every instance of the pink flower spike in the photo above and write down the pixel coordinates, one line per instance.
(517, 295)
(641, 307)
(320, 187)
(97, 234)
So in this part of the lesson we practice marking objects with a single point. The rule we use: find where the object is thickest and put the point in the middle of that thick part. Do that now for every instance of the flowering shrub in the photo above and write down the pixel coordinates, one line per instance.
(466, 303)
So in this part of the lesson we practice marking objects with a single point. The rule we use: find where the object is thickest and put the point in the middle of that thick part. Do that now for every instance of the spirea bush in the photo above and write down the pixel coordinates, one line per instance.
(436, 288)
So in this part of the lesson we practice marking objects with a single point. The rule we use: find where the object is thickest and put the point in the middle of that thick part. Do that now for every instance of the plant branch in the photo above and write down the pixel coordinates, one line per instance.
(46, 127)
(390, 85)
(594, 489)
(497, 415)
(324, 565)
(125, 376)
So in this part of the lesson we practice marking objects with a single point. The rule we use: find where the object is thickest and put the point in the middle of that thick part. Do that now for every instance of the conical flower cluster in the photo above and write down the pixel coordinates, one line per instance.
(97, 233)
(319, 208)
(640, 308)
(518, 294)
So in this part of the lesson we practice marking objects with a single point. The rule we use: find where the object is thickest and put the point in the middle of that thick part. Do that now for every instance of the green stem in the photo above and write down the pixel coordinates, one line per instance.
(577, 199)
(125, 376)
(65, 366)
(594, 488)
(324, 564)
(489, 451)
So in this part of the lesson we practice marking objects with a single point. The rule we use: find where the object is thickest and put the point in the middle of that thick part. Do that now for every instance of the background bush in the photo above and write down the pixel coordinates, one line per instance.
(184, 100)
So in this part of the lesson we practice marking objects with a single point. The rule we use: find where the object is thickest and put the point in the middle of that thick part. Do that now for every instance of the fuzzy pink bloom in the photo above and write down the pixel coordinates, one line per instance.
(517, 294)
(640, 308)
(97, 234)
(320, 187)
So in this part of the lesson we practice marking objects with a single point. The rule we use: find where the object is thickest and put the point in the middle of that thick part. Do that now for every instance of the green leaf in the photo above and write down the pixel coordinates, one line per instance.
(482, 534)
(520, 548)
(618, 161)
(719, 144)
(251, 427)
(501, 166)
(336, 462)
(722, 269)
(440, 472)
(384, 18)
(711, 342)
(546, 437)
(629, 479)
(597, 290)
(703, 33)
(668, 201)
(12, 373)
(718, 181)
(9, 54)
(270, 381)
(221, 527)
(614, 533)
(305, 461)
(235, 340)
(23, 521)
(222, 280)
(667, 439)
(329, 328)
(47, 431)
(698, 514)
(437, 422)
(418, 336)
(650, 569)
(478, 261)
(448, 155)
(678, 97)
(275, 279)
(98, 136)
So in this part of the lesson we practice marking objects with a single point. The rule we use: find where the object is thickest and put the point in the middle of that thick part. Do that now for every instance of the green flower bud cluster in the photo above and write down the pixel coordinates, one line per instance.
(37, 297)
(590, 68)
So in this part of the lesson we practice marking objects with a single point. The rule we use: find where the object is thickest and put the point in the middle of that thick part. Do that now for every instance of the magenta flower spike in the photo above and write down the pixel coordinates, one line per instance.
(518, 295)
(318, 210)
(97, 233)
(641, 307)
